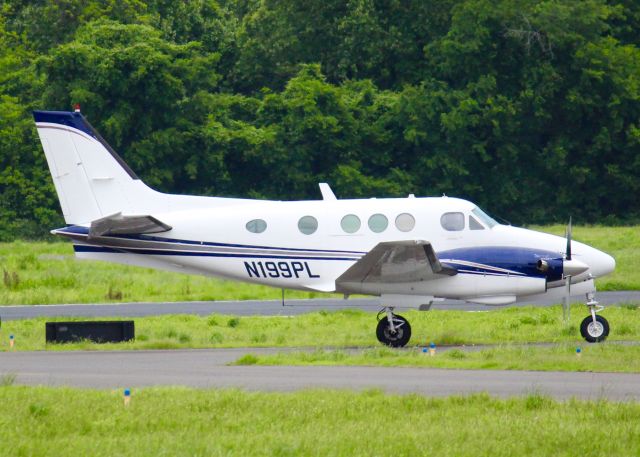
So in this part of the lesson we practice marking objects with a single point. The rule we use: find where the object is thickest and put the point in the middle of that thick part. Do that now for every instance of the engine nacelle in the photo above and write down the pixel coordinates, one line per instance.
(552, 268)
(558, 268)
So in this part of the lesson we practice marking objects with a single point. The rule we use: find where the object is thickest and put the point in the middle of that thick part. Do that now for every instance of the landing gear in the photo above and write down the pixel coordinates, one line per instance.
(594, 328)
(594, 331)
(393, 330)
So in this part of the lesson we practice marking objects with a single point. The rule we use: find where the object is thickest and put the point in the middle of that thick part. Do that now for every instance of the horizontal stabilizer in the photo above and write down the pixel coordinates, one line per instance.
(117, 224)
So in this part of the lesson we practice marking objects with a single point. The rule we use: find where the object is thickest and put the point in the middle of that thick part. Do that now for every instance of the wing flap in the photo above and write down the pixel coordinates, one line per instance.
(396, 262)
(117, 224)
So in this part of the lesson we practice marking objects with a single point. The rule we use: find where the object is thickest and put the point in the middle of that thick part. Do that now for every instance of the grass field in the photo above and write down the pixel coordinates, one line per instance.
(48, 273)
(348, 328)
(605, 357)
(45, 273)
(178, 421)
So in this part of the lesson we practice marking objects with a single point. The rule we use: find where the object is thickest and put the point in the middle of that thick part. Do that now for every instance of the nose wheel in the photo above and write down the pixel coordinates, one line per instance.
(594, 328)
(393, 330)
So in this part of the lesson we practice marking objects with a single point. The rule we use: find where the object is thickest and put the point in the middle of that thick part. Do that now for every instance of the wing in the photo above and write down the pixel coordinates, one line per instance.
(117, 224)
(395, 262)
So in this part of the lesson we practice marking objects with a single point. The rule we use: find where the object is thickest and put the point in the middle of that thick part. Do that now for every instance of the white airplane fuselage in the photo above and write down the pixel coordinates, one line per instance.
(216, 242)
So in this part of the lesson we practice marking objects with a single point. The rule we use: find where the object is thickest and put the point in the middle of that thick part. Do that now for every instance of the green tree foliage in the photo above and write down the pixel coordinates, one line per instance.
(381, 40)
(530, 108)
(137, 85)
(565, 105)
(45, 24)
(27, 202)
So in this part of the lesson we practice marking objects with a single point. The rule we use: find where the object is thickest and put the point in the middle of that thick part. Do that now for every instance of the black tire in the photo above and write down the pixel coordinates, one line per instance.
(398, 339)
(594, 333)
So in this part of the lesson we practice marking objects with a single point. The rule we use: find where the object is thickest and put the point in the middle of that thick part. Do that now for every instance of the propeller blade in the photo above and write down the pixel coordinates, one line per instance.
(566, 306)
(568, 251)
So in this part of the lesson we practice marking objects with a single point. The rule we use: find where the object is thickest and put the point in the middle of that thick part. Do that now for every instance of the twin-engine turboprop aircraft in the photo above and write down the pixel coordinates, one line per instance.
(409, 251)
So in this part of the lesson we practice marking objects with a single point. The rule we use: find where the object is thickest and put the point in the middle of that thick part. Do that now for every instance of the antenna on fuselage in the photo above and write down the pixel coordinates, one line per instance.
(327, 193)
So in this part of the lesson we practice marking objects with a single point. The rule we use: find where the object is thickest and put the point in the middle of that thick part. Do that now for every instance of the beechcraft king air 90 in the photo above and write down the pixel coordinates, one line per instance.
(408, 251)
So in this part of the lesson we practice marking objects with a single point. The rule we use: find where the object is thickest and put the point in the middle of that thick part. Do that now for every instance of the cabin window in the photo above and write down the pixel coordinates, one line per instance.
(474, 225)
(256, 226)
(453, 222)
(378, 223)
(350, 223)
(308, 224)
(405, 222)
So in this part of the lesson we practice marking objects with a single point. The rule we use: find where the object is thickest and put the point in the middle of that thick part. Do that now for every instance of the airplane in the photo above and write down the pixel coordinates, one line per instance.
(409, 251)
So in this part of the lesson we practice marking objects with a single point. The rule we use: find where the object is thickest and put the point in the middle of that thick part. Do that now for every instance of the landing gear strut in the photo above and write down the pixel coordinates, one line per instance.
(393, 330)
(594, 328)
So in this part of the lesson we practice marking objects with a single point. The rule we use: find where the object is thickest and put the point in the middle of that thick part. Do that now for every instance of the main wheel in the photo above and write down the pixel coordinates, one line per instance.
(594, 332)
(396, 339)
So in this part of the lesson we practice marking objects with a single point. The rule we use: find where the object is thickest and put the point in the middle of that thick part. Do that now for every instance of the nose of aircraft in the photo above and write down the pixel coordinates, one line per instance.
(584, 256)
(601, 264)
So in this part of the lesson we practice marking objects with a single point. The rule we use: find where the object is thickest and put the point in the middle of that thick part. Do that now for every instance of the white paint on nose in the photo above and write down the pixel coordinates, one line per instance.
(605, 264)
(600, 263)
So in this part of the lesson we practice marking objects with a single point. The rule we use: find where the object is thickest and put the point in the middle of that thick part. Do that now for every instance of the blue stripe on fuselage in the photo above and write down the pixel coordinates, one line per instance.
(129, 250)
(519, 260)
(78, 230)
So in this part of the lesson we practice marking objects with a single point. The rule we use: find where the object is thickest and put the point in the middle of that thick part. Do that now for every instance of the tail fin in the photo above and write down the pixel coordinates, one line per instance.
(91, 180)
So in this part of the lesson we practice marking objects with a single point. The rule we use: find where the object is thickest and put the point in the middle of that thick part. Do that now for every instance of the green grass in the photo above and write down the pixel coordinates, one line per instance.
(605, 357)
(348, 328)
(36, 273)
(48, 421)
(43, 273)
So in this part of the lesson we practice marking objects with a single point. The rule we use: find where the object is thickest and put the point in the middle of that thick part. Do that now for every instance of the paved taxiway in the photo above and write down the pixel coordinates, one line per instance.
(208, 368)
(254, 307)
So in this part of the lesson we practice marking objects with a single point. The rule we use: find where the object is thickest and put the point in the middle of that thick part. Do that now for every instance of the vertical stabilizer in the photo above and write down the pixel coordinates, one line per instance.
(91, 180)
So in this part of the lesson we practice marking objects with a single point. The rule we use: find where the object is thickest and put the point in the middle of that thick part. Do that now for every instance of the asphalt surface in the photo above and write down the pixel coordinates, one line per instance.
(208, 368)
(256, 307)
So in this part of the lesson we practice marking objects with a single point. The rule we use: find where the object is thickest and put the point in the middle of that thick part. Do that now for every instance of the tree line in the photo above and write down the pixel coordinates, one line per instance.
(529, 108)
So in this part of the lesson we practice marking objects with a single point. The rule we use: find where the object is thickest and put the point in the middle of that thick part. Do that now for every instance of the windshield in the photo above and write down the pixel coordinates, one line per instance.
(484, 217)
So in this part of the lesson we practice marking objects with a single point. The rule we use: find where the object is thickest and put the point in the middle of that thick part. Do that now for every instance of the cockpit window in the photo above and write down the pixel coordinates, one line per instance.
(484, 217)
(453, 222)
(474, 224)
